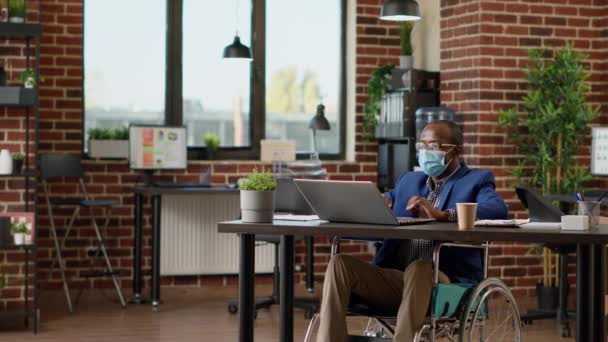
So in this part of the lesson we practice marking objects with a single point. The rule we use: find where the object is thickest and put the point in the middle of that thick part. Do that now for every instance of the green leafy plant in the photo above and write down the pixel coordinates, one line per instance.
(548, 134)
(18, 227)
(16, 8)
(212, 141)
(378, 85)
(109, 133)
(18, 156)
(28, 77)
(406, 38)
(553, 125)
(258, 181)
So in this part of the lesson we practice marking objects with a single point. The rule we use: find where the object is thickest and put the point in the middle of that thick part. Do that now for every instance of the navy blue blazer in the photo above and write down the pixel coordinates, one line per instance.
(462, 265)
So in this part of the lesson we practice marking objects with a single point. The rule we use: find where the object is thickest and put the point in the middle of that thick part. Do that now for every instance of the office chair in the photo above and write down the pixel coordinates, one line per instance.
(288, 199)
(541, 210)
(68, 166)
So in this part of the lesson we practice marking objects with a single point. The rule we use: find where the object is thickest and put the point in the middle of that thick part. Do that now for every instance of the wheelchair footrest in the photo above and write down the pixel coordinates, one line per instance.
(352, 338)
(98, 274)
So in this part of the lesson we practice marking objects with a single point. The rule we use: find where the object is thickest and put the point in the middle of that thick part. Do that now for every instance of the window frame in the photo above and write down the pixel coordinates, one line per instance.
(257, 98)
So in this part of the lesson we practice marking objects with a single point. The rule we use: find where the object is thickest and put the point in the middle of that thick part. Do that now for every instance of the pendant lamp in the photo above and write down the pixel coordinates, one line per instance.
(237, 49)
(400, 10)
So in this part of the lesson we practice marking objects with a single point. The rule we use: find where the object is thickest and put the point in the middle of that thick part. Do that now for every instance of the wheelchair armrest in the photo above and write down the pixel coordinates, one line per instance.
(437, 249)
(335, 243)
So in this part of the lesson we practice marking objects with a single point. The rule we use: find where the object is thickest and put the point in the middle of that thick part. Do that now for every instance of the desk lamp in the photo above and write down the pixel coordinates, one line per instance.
(318, 122)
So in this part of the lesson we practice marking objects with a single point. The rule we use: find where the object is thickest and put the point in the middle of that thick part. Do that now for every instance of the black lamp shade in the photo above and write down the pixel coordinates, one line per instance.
(319, 122)
(237, 50)
(400, 10)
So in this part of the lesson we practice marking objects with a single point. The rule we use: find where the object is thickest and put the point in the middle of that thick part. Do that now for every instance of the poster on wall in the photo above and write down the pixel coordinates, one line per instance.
(157, 147)
(599, 151)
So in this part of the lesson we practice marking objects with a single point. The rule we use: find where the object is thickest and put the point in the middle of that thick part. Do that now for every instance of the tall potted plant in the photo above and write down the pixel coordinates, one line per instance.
(109, 143)
(257, 197)
(548, 135)
(406, 59)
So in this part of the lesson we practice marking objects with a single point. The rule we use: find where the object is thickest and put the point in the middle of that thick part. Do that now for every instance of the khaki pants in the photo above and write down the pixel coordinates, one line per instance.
(408, 292)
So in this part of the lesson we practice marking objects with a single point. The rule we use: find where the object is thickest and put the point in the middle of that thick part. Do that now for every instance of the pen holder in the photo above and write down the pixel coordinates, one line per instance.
(592, 210)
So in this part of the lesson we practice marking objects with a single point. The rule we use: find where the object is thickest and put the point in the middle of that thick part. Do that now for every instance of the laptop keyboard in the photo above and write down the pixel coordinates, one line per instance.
(405, 221)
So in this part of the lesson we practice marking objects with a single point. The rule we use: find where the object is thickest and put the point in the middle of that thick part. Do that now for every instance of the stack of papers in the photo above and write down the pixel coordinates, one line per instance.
(500, 223)
(291, 217)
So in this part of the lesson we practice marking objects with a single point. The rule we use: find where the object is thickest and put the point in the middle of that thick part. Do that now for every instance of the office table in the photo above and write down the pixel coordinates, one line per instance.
(590, 257)
(156, 193)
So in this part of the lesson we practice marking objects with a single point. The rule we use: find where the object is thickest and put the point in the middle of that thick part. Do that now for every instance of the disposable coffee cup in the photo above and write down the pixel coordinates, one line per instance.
(592, 210)
(467, 213)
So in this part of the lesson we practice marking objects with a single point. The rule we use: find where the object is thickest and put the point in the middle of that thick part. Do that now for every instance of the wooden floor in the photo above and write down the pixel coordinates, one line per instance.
(186, 315)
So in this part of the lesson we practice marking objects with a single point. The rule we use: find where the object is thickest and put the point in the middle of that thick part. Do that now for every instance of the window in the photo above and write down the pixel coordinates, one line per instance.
(303, 58)
(124, 63)
(298, 64)
(215, 91)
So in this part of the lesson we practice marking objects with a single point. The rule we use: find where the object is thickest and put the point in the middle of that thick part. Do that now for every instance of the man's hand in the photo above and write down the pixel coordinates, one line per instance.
(387, 201)
(424, 208)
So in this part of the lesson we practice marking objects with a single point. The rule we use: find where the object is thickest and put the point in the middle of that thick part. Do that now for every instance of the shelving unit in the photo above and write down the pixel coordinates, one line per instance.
(27, 99)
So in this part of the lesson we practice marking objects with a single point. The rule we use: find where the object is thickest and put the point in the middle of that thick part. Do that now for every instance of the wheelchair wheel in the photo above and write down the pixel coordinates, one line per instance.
(491, 314)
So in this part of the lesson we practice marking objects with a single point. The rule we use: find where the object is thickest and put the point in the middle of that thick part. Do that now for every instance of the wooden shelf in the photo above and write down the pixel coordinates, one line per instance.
(17, 96)
(22, 31)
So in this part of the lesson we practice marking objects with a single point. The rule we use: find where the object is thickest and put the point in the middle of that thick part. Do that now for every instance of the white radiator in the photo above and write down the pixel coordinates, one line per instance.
(190, 243)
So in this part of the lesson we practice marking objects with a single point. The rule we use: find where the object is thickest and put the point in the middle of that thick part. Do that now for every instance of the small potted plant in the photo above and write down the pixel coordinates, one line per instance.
(109, 143)
(257, 197)
(19, 230)
(212, 142)
(28, 77)
(16, 11)
(406, 60)
(18, 159)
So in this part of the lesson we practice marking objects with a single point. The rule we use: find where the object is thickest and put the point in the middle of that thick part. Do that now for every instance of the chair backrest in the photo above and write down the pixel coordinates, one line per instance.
(60, 165)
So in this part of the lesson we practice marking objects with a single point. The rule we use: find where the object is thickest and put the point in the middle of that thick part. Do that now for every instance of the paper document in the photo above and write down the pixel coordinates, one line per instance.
(542, 225)
(500, 223)
(291, 217)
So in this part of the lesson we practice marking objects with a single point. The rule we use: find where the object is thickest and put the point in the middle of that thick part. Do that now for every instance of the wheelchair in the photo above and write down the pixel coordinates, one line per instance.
(481, 312)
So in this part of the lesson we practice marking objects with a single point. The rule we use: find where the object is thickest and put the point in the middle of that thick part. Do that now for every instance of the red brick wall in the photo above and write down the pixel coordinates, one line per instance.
(483, 45)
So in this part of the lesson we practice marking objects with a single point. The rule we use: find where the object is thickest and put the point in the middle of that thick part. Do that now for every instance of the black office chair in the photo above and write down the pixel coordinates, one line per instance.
(288, 199)
(541, 209)
(68, 166)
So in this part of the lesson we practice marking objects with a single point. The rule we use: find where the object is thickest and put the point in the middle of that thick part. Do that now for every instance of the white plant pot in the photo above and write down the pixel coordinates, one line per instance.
(257, 206)
(19, 238)
(116, 149)
(406, 62)
(6, 162)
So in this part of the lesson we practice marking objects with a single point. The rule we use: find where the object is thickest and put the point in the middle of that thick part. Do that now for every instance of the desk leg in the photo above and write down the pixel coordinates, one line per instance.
(156, 207)
(583, 297)
(137, 242)
(596, 305)
(246, 287)
(310, 267)
(286, 296)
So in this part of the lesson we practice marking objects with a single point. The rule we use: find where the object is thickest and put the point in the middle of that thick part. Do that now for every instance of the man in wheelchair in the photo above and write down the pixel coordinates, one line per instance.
(401, 276)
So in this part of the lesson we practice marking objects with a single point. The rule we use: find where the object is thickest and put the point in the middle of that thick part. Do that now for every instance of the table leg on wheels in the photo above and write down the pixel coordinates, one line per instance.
(156, 207)
(286, 297)
(310, 268)
(582, 293)
(246, 287)
(137, 252)
(596, 304)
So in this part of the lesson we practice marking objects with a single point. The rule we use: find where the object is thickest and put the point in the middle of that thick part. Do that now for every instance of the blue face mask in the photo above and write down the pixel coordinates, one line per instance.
(432, 162)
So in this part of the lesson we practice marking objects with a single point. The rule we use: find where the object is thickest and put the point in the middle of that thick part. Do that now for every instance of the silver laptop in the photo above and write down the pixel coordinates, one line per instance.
(353, 202)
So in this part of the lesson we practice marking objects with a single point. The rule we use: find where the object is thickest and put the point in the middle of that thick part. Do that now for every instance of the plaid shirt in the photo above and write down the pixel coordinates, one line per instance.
(419, 249)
